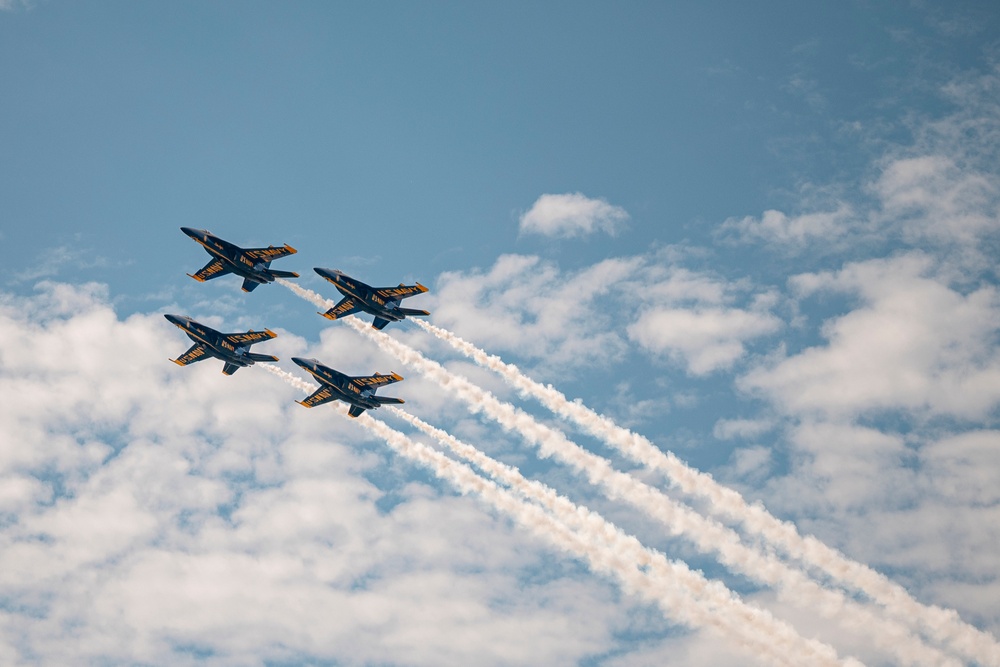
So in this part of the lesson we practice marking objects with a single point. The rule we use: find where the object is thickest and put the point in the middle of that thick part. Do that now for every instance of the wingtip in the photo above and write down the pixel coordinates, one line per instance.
(291, 250)
(421, 287)
(270, 333)
(201, 280)
(327, 315)
(396, 376)
(176, 362)
(303, 404)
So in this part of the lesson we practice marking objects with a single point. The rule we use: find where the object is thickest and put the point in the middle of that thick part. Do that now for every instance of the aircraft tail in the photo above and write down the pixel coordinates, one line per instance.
(355, 411)
(283, 274)
(261, 357)
(413, 311)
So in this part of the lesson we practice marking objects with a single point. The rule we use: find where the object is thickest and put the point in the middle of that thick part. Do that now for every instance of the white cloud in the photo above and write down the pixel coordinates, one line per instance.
(526, 304)
(574, 319)
(571, 215)
(727, 429)
(940, 190)
(169, 513)
(915, 344)
(931, 197)
(706, 339)
(796, 231)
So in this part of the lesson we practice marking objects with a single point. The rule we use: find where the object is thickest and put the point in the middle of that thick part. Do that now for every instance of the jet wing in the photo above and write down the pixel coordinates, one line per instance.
(213, 269)
(270, 252)
(250, 337)
(347, 306)
(196, 352)
(400, 292)
(322, 395)
(376, 380)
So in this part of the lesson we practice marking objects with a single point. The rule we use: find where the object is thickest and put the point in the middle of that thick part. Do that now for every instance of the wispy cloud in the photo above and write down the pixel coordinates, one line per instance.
(572, 215)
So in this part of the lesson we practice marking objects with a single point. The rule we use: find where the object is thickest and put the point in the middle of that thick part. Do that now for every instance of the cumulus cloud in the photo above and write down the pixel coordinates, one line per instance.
(706, 339)
(940, 190)
(168, 514)
(931, 197)
(797, 231)
(572, 215)
(526, 304)
(915, 344)
(572, 319)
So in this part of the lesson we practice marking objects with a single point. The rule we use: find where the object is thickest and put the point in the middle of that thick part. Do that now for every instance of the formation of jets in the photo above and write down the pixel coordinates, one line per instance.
(254, 266)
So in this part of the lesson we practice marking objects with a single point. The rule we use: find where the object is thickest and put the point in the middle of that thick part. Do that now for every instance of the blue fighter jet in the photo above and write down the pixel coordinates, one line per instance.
(335, 386)
(252, 264)
(233, 349)
(382, 302)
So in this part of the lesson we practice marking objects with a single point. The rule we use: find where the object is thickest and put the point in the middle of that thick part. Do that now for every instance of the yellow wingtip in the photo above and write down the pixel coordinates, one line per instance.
(199, 279)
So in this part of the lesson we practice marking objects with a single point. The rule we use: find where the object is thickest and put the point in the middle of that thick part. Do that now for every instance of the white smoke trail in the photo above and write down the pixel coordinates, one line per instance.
(943, 625)
(708, 535)
(683, 596)
(793, 586)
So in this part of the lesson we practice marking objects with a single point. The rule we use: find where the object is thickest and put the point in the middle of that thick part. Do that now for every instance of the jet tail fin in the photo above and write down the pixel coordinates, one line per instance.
(413, 311)
(355, 411)
(283, 274)
(261, 357)
(249, 285)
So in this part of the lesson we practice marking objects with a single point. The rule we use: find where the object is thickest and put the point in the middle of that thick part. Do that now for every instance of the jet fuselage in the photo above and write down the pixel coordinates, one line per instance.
(217, 344)
(343, 388)
(232, 256)
(365, 298)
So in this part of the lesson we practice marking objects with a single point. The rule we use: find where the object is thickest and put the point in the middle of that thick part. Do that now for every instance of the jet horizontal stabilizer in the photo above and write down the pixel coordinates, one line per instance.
(385, 400)
(412, 311)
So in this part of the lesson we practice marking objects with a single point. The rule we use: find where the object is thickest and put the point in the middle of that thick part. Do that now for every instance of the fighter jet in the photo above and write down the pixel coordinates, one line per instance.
(335, 386)
(233, 348)
(382, 302)
(252, 264)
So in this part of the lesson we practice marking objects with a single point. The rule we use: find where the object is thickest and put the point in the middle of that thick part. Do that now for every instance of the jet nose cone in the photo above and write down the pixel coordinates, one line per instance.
(179, 320)
(329, 274)
(308, 364)
(194, 233)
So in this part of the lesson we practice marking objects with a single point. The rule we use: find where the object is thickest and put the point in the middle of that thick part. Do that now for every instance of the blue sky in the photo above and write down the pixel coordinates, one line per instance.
(764, 238)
